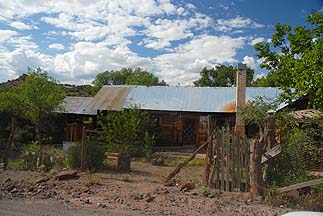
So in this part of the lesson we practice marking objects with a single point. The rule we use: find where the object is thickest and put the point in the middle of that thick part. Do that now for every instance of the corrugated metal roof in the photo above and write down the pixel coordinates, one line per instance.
(109, 98)
(77, 105)
(187, 99)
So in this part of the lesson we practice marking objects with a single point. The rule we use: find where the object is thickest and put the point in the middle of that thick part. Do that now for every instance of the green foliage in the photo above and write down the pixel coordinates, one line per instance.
(128, 131)
(34, 99)
(295, 60)
(30, 156)
(95, 156)
(126, 76)
(74, 157)
(174, 161)
(41, 95)
(256, 111)
(299, 145)
(221, 76)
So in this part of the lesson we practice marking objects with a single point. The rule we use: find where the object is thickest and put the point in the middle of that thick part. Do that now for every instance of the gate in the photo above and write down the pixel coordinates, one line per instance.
(231, 168)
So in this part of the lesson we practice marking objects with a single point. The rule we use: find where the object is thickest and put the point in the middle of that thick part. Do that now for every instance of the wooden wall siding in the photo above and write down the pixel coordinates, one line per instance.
(172, 129)
(231, 168)
(73, 132)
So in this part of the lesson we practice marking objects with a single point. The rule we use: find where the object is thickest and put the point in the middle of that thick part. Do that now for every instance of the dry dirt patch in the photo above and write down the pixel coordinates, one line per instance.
(138, 191)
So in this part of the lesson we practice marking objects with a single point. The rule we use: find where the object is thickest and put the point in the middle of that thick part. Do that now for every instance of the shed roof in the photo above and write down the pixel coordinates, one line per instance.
(77, 105)
(185, 99)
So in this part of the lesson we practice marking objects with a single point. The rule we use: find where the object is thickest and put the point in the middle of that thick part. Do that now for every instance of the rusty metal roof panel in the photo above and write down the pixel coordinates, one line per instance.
(194, 99)
(109, 98)
(76, 105)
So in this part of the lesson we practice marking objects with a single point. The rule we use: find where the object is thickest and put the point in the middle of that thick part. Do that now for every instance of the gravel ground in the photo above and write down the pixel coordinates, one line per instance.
(52, 207)
(139, 192)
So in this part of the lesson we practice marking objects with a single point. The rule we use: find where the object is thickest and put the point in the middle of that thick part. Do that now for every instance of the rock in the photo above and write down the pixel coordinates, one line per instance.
(248, 202)
(7, 180)
(10, 187)
(149, 198)
(158, 161)
(41, 180)
(186, 186)
(87, 201)
(65, 175)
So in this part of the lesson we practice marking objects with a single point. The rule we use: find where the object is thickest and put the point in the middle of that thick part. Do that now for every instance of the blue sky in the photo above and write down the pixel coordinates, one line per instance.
(76, 39)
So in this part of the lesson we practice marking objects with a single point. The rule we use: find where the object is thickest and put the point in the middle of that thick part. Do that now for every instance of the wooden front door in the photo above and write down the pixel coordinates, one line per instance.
(189, 132)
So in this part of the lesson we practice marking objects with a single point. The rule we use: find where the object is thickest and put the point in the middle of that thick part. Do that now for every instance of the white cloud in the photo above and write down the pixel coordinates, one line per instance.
(257, 40)
(258, 76)
(185, 63)
(57, 46)
(6, 35)
(101, 33)
(236, 23)
(22, 26)
(251, 62)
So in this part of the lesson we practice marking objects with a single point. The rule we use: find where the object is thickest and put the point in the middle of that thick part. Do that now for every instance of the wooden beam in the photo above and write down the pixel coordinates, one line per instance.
(273, 152)
(301, 185)
(182, 164)
(209, 152)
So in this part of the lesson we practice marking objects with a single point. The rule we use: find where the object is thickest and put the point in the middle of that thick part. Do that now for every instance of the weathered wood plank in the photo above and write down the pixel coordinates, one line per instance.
(233, 164)
(209, 153)
(300, 185)
(227, 159)
(238, 161)
(182, 164)
(222, 159)
(271, 153)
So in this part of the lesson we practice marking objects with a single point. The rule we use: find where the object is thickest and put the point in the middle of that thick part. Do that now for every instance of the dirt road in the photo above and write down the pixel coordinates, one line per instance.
(51, 207)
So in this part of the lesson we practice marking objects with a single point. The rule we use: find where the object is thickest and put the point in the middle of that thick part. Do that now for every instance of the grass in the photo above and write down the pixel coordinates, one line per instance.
(173, 161)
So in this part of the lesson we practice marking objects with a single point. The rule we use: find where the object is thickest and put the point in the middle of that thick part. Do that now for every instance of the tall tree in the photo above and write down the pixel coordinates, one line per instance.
(221, 76)
(41, 96)
(126, 76)
(34, 99)
(11, 102)
(295, 59)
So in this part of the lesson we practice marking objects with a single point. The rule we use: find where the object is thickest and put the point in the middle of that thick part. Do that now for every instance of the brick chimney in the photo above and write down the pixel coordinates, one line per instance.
(240, 97)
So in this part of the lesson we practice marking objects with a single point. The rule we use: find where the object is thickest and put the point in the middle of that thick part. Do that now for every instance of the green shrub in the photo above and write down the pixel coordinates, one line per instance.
(30, 156)
(95, 156)
(129, 131)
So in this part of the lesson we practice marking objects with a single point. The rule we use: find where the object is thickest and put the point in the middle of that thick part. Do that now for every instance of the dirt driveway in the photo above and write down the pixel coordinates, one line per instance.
(139, 192)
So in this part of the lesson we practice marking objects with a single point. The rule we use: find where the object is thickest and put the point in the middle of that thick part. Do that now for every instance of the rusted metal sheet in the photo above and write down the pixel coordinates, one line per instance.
(109, 98)
(76, 105)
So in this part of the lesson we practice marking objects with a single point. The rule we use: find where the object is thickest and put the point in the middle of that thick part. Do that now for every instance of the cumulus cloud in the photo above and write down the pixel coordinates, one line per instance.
(251, 62)
(22, 26)
(226, 25)
(188, 59)
(257, 40)
(57, 46)
(101, 34)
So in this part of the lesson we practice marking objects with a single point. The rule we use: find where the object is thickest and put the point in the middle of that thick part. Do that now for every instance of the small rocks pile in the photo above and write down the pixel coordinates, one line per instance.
(41, 188)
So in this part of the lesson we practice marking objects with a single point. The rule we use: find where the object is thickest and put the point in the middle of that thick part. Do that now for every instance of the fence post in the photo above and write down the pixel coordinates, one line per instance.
(83, 149)
(209, 153)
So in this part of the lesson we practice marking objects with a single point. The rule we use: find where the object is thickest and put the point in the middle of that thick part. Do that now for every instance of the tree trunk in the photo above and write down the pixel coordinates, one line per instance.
(256, 151)
(123, 162)
(9, 142)
(39, 139)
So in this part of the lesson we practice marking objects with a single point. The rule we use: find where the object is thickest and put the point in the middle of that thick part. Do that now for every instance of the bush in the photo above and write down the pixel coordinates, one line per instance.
(95, 156)
(129, 131)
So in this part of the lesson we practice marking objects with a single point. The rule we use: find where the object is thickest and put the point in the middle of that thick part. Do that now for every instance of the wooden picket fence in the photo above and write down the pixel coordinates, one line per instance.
(231, 168)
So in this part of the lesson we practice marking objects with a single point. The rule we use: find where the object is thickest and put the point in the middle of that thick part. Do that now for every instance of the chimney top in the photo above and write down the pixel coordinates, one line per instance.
(241, 66)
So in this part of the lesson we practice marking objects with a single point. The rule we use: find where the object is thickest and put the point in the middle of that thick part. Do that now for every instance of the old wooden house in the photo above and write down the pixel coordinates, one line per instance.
(181, 111)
